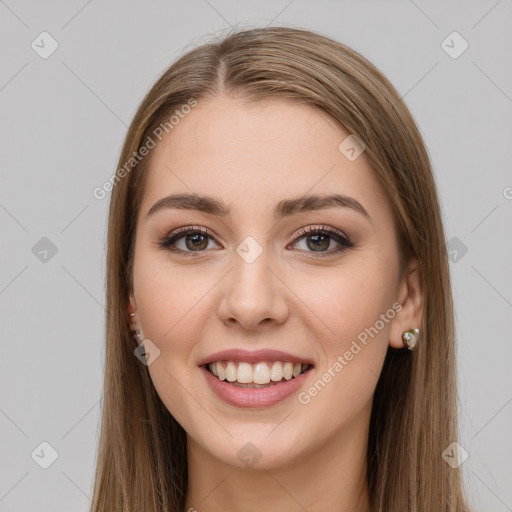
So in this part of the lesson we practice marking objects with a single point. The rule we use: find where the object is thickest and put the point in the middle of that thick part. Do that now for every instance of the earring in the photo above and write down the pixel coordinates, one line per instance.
(410, 337)
(136, 333)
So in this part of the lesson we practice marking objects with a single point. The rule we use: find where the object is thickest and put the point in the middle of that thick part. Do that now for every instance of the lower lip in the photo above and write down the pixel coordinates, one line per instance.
(254, 397)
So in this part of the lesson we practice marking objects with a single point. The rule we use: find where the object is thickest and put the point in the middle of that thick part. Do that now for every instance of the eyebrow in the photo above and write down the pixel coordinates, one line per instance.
(282, 209)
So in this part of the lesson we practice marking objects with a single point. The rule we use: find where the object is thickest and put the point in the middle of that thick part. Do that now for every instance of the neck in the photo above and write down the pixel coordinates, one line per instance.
(325, 478)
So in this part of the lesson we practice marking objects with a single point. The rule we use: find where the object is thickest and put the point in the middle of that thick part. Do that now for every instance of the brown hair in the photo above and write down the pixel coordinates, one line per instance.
(142, 458)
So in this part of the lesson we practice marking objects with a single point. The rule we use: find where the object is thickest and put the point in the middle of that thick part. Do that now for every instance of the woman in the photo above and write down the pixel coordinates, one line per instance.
(275, 248)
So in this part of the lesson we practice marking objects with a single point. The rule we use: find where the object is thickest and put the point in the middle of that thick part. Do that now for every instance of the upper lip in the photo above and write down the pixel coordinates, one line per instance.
(254, 356)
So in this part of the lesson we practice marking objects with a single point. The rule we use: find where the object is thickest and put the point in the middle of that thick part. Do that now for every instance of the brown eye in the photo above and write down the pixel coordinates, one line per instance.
(194, 241)
(318, 240)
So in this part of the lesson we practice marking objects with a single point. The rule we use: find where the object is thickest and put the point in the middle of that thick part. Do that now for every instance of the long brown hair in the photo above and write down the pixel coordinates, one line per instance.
(142, 458)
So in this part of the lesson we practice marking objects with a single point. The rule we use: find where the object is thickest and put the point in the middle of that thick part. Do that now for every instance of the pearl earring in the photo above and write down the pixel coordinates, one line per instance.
(410, 337)
(136, 333)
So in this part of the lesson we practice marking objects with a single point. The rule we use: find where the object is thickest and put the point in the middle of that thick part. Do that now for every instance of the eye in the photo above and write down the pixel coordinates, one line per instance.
(196, 240)
(318, 239)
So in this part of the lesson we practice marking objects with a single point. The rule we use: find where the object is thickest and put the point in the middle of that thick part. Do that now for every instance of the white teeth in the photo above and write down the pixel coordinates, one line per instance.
(277, 372)
(244, 373)
(231, 372)
(259, 373)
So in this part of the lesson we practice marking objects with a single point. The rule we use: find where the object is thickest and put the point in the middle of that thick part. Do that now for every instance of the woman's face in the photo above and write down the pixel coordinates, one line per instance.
(255, 281)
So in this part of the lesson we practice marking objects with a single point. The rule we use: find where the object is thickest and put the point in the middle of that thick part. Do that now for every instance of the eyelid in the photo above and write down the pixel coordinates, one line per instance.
(317, 228)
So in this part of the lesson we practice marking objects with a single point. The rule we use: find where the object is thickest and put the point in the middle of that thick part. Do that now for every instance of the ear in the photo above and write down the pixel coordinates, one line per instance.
(410, 296)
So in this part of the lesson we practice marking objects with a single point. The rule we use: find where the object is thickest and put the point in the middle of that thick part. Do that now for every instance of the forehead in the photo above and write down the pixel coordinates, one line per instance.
(255, 155)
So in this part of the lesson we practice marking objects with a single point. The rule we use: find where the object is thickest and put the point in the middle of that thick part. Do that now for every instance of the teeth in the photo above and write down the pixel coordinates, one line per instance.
(288, 371)
(244, 374)
(276, 374)
(259, 373)
(231, 372)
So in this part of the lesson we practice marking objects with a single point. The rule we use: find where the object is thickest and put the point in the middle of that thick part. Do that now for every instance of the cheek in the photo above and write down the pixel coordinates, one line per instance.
(346, 301)
(351, 324)
(356, 313)
(172, 302)
(172, 308)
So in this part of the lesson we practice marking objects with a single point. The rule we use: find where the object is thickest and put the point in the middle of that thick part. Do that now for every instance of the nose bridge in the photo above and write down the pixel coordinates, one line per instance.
(252, 294)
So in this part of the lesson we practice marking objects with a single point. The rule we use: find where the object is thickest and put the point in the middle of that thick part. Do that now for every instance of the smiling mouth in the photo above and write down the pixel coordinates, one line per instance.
(258, 375)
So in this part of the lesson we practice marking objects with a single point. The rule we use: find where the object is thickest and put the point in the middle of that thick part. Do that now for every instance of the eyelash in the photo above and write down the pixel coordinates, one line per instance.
(168, 241)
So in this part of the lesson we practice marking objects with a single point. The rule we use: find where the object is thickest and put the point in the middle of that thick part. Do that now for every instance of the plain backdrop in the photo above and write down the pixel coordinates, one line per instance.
(63, 119)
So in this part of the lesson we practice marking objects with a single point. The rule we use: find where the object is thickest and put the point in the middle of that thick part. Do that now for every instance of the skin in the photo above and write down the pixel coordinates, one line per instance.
(290, 298)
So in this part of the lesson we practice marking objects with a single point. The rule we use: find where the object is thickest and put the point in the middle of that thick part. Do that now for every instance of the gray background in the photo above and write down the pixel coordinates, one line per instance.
(62, 123)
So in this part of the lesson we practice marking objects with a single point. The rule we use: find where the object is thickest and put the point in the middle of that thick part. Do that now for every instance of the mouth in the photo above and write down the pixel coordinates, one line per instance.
(263, 374)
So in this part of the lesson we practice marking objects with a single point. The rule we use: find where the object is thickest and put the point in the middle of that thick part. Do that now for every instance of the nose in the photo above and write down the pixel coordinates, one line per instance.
(253, 296)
